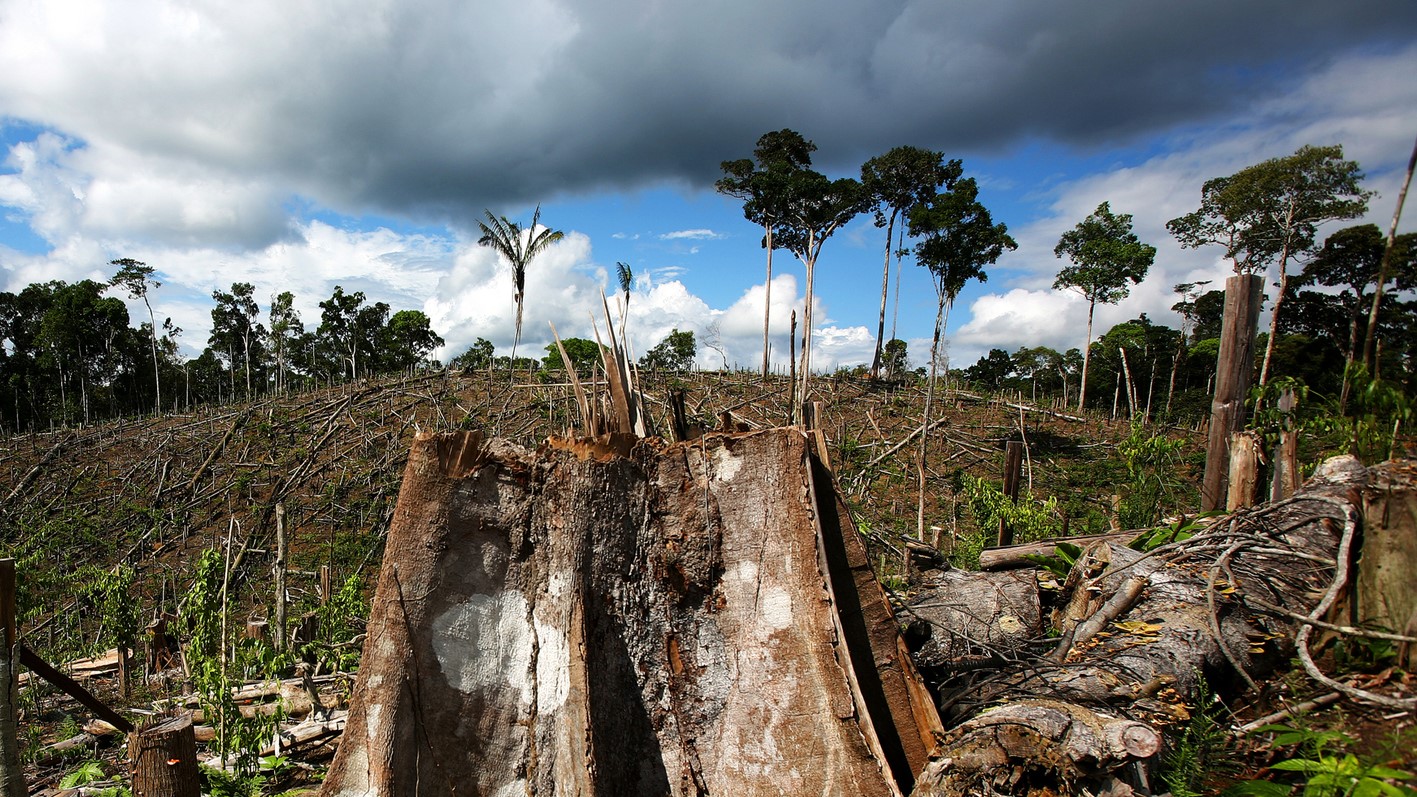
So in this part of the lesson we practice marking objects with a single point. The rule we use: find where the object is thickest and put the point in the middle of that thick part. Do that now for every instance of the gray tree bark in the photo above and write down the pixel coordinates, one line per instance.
(1228, 605)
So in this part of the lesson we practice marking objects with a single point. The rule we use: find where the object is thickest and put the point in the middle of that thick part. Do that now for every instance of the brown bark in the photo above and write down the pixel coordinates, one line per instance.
(616, 616)
(1387, 593)
(164, 759)
(1227, 605)
(1234, 371)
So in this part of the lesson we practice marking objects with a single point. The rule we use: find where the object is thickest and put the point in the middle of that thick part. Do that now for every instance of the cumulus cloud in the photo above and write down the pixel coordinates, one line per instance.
(436, 106)
(1374, 124)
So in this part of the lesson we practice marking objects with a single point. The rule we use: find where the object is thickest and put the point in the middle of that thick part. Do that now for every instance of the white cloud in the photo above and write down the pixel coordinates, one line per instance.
(697, 235)
(1027, 312)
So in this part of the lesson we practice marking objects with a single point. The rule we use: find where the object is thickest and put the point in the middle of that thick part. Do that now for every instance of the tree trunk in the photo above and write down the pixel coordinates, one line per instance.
(164, 759)
(885, 290)
(1086, 355)
(1234, 370)
(767, 300)
(941, 318)
(608, 616)
(1222, 604)
(1370, 340)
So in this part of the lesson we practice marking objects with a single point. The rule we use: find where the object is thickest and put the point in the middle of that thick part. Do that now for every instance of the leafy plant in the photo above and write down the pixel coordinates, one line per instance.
(1182, 529)
(1328, 770)
(1200, 751)
(1061, 562)
(86, 773)
(1153, 477)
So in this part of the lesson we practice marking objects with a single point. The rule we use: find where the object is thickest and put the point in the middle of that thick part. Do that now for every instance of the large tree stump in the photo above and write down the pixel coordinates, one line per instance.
(617, 617)
(1387, 592)
(164, 759)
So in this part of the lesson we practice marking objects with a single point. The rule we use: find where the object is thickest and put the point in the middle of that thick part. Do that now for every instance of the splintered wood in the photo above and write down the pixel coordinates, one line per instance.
(620, 617)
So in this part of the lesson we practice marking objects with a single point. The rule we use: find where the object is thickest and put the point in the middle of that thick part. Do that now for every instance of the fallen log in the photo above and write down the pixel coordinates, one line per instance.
(621, 616)
(1221, 606)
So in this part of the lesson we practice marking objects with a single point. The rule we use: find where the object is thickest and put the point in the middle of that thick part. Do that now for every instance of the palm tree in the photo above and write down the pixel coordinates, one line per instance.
(519, 247)
(626, 276)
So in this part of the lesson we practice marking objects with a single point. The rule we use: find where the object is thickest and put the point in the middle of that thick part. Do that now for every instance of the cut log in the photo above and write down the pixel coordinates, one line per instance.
(615, 616)
(1221, 605)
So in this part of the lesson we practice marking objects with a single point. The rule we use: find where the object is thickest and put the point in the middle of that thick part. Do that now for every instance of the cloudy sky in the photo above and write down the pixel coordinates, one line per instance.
(299, 146)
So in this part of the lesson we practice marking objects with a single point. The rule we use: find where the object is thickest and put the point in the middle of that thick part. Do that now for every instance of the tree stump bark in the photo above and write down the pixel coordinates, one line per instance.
(164, 759)
(614, 616)
(1387, 593)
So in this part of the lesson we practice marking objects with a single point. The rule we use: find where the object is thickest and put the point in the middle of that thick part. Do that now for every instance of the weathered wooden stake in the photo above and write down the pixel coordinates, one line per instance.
(1285, 459)
(1234, 372)
(281, 554)
(164, 759)
(1013, 470)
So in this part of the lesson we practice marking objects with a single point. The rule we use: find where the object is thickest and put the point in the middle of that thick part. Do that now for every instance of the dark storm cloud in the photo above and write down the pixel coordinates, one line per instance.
(447, 107)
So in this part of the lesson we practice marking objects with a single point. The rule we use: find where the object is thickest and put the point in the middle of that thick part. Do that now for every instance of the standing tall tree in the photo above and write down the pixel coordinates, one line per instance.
(814, 207)
(1270, 212)
(762, 186)
(234, 321)
(1106, 256)
(895, 182)
(960, 238)
(137, 277)
(352, 328)
(519, 246)
(286, 329)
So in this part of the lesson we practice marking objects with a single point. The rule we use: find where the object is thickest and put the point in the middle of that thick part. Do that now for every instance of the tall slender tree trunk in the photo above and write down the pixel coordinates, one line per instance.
(895, 313)
(885, 289)
(767, 300)
(942, 316)
(157, 372)
(1369, 356)
(1086, 354)
(806, 375)
(1274, 314)
(246, 344)
(517, 336)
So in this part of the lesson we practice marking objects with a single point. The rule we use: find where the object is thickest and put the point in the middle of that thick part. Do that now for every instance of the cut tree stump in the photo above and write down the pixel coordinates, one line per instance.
(627, 617)
(164, 759)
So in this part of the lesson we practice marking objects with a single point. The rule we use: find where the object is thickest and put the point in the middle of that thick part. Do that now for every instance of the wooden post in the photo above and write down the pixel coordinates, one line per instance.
(1013, 469)
(1285, 460)
(278, 642)
(164, 759)
(1234, 371)
(1243, 478)
(12, 775)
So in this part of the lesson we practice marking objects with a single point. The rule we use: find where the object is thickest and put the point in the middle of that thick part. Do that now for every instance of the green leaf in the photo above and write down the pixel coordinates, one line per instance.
(1257, 788)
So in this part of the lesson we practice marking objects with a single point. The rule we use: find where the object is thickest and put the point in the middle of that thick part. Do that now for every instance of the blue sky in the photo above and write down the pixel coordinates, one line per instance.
(356, 143)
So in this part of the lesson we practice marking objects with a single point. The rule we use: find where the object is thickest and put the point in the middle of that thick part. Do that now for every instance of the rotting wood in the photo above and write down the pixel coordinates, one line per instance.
(1223, 602)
